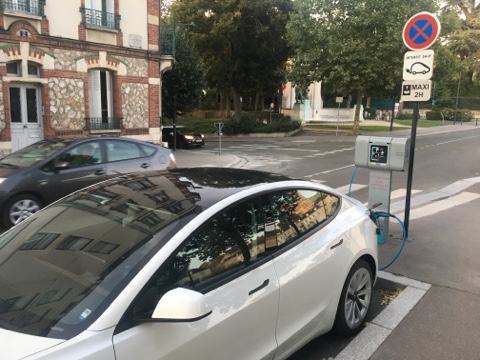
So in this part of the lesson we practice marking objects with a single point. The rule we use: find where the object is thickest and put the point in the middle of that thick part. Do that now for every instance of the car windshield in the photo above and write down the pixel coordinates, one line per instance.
(62, 267)
(31, 154)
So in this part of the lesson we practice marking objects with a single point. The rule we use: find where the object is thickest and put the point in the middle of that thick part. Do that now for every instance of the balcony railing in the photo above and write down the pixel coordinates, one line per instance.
(30, 7)
(167, 40)
(103, 124)
(100, 18)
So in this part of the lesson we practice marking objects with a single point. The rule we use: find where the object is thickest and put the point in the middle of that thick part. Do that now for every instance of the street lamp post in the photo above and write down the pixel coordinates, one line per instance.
(174, 117)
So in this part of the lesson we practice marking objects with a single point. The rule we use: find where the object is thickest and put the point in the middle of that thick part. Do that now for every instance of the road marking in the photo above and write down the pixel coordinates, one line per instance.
(355, 187)
(304, 141)
(401, 193)
(365, 344)
(443, 205)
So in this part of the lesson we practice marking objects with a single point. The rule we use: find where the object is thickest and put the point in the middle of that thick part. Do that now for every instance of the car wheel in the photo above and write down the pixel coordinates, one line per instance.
(355, 300)
(19, 208)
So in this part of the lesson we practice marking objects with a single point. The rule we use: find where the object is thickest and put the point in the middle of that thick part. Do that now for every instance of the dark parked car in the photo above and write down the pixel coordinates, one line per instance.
(43, 172)
(185, 138)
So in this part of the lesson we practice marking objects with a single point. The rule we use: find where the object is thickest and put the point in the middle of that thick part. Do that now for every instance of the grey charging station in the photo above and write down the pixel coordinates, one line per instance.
(381, 155)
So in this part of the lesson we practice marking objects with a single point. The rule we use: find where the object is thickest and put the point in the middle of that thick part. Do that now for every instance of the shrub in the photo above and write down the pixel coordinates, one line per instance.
(404, 116)
(434, 115)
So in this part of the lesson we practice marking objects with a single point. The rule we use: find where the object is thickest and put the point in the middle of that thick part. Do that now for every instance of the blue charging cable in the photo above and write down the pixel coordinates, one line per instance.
(374, 216)
(351, 179)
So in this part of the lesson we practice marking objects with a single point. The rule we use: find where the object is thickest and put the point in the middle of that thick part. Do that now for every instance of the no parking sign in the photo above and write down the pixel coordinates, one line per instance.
(421, 31)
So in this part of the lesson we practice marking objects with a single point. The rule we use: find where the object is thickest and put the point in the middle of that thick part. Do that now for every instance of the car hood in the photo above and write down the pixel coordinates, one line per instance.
(6, 171)
(17, 345)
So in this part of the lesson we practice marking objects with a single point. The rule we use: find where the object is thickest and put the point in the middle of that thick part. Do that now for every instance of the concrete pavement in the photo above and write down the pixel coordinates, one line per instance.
(444, 324)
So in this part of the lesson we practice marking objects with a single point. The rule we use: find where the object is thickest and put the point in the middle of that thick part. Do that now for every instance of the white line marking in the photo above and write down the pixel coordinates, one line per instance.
(304, 141)
(337, 169)
(401, 193)
(443, 205)
(355, 187)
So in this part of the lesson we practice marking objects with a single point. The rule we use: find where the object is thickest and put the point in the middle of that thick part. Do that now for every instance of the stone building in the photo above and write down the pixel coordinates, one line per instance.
(79, 67)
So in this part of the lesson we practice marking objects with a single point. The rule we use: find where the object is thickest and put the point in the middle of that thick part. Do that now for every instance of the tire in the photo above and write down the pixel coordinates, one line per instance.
(19, 208)
(355, 300)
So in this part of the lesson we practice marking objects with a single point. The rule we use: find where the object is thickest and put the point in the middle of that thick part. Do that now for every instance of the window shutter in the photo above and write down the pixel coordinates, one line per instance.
(94, 95)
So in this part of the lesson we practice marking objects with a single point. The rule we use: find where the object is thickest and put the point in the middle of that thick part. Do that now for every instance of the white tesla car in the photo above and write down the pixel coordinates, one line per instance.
(200, 263)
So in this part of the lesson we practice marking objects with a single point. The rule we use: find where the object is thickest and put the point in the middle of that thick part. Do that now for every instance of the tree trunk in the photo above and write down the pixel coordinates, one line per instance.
(356, 120)
(227, 102)
(367, 105)
(237, 105)
(349, 101)
(257, 101)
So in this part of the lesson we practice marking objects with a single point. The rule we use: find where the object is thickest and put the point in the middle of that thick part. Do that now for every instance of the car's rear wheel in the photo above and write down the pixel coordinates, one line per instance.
(19, 208)
(355, 300)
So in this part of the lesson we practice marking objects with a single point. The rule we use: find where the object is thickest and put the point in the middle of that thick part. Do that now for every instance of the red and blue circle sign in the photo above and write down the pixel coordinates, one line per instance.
(421, 31)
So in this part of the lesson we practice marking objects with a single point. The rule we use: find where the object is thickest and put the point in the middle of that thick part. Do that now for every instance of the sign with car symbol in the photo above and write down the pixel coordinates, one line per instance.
(418, 65)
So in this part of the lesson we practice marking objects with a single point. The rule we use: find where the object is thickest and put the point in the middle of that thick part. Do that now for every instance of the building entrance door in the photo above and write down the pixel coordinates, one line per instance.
(25, 114)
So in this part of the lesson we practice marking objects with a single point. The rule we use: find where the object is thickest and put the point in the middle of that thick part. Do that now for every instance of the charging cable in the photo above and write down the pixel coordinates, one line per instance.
(351, 179)
(375, 216)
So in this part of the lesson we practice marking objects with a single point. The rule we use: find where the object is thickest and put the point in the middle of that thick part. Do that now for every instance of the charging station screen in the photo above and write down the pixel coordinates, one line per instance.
(378, 154)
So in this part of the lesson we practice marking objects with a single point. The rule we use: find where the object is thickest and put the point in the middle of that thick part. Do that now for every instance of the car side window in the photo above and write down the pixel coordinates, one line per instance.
(290, 214)
(122, 150)
(227, 243)
(148, 150)
(85, 154)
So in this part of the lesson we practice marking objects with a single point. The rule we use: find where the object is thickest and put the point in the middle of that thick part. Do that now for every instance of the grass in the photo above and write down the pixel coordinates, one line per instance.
(421, 123)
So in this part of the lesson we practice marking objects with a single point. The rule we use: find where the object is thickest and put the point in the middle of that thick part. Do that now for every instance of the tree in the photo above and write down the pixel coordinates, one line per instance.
(242, 42)
(185, 80)
(354, 46)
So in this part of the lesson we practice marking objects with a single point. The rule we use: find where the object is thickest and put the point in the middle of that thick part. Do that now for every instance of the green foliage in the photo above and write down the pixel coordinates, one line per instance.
(444, 103)
(251, 124)
(405, 116)
(242, 43)
(353, 47)
(462, 115)
(434, 115)
(185, 81)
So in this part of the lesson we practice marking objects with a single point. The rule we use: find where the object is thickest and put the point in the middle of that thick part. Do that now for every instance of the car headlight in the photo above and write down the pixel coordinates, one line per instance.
(189, 137)
(203, 136)
(2, 180)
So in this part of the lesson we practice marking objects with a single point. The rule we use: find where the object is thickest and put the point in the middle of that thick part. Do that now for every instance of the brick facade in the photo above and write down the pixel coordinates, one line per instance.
(65, 64)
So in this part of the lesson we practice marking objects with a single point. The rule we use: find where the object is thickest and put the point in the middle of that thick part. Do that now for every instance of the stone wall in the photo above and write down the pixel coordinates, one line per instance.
(66, 59)
(67, 103)
(135, 105)
(135, 67)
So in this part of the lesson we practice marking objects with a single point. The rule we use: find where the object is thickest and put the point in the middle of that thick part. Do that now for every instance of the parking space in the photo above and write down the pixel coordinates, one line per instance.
(392, 299)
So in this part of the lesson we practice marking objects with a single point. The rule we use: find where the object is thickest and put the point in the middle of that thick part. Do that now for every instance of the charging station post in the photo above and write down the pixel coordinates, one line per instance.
(381, 155)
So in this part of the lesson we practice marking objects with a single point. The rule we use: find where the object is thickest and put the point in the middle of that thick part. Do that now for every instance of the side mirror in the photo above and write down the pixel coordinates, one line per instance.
(181, 305)
(61, 165)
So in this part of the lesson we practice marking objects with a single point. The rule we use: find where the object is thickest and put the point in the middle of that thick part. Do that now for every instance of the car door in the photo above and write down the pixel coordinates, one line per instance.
(126, 156)
(225, 260)
(85, 167)
(306, 245)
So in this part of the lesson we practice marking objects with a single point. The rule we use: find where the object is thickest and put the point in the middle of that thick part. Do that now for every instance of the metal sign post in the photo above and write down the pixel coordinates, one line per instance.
(219, 128)
(419, 33)
(339, 100)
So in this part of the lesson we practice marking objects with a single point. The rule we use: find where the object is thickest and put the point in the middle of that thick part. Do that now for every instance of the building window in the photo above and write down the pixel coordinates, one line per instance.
(100, 96)
(101, 13)
(31, 7)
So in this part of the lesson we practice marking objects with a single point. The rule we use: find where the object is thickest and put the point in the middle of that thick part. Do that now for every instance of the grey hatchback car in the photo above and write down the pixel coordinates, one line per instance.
(45, 171)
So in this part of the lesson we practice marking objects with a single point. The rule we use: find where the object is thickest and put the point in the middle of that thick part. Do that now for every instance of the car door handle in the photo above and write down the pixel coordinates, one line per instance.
(265, 284)
(336, 245)
(145, 165)
(100, 172)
